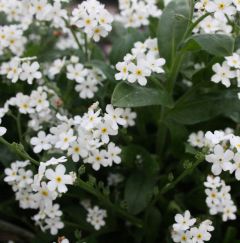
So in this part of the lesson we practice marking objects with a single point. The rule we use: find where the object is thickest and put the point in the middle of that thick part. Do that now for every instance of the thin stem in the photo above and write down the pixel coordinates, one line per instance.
(199, 159)
(73, 34)
(19, 149)
(122, 213)
(19, 128)
(14, 229)
(194, 24)
(174, 71)
(86, 46)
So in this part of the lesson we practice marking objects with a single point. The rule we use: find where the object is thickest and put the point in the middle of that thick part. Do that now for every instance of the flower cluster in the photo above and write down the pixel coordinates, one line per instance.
(184, 230)
(87, 80)
(223, 150)
(21, 69)
(219, 198)
(211, 24)
(96, 217)
(25, 12)
(12, 39)
(136, 13)
(230, 69)
(92, 17)
(36, 105)
(40, 191)
(67, 41)
(222, 14)
(84, 137)
(143, 60)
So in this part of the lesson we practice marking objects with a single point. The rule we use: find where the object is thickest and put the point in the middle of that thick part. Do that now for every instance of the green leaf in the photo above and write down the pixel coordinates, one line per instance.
(129, 159)
(138, 191)
(207, 106)
(230, 235)
(152, 224)
(178, 134)
(126, 95)
(124, 43)
(215, 44)
(105, 68)
(172, 26)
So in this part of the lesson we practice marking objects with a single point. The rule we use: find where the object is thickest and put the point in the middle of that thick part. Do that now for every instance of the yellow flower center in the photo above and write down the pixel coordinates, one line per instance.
(58, 179)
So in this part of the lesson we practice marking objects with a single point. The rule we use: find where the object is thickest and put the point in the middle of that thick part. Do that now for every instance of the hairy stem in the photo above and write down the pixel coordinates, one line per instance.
(118, 210)
(19, 149)
(199, 159)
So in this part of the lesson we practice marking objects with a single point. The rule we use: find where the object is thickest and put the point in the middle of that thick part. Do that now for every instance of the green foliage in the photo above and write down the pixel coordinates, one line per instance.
(126, 95)
(215, 44)
(138, 191)
(172, 27)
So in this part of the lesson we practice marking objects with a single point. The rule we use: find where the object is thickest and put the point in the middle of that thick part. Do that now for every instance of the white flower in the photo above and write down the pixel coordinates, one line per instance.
(220, 160)
(30, 72)
(209, 25)
(65, 139)
(24, 177)
(44, 195)
(97, 32)
(93, 19)
(76, 72)
(56, 67)
(41, 142)
(183, 221)
(52, 211)
(23, 102)
(91, 119)
(3, 130)
(221, 7)
(11, 173)
(235, 142)
(237, 4)
(113, 153)
(103, 131)
(122, 67)
(223, 74)
(129, 116)
(139, 72)
(219, 201)
(216, 137)
(115, 116)
(233, 61)
(200, 234)
(54, 225)
(76, 150)
(213, 182)
(197, 139)
(236, 165)
(181, 236)
(41, 9)
(97, 158)
(154, 64)
(39, 100)
(229, 212)
(12, 69)
(58, 179)
(96, 217)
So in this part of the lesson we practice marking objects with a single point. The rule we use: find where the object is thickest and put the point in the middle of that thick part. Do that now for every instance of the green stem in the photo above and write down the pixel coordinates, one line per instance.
(19, 128)
(86, 47)
(174, 71)
(118, 210)
(195, 24)
(73, 34)
(199, 159)
(19, 149)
